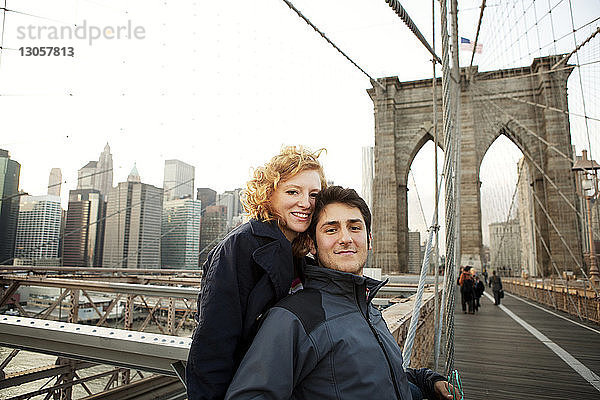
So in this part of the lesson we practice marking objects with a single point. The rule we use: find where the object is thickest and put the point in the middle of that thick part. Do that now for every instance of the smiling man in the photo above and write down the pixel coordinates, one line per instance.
(327, 341)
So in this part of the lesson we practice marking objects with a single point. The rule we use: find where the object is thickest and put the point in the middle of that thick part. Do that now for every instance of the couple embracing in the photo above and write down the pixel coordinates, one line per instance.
(276, 324)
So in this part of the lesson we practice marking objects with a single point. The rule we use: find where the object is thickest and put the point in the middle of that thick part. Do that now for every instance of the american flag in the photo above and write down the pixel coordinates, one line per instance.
(466, 44)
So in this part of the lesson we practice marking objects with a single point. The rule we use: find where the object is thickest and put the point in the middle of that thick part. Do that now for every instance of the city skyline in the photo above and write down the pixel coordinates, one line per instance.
(234, 109)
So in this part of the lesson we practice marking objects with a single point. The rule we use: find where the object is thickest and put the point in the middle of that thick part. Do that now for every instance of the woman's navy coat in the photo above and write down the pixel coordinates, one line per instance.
(246, 274)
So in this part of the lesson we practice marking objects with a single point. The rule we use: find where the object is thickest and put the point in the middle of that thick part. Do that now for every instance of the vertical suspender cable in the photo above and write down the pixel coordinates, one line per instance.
(477, 34)
(437, 321)
(447, 295)
(414, 321)
(456, 124)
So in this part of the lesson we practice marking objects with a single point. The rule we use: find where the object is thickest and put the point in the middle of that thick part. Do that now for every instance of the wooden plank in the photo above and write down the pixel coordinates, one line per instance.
(499, 359)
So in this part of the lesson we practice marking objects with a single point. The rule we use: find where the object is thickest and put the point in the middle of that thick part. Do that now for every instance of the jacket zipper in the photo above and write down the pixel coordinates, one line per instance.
(387, 357)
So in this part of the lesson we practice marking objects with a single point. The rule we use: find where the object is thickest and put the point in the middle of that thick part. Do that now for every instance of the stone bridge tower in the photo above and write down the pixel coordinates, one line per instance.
(494, 103)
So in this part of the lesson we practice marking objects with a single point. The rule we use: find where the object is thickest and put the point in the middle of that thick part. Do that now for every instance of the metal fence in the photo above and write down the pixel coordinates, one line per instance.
(573, 297)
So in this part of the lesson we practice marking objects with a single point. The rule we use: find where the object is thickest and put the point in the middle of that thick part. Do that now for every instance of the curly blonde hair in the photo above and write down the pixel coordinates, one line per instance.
(256, 198)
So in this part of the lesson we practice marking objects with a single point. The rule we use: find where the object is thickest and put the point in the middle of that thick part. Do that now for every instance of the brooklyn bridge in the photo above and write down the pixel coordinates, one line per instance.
(120, 327)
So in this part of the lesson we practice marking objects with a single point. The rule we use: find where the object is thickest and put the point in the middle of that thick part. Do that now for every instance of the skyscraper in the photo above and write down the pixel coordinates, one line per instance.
(180, 233)
(38, 229)
(97, 174)
(414, 252)
(368, 168)
(207, 196)
(178, 180)
(525, 215)
(54, 182)
(231, 200)
(505, 247)
(84, 231)
(132, 228)
(9, 205)
(213, 228)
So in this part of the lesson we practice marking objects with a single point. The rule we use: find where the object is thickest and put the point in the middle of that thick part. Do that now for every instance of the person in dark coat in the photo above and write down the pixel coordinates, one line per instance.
(328, 341)
(479, 289)
(252, 268)
(496, 285)
(467, 290)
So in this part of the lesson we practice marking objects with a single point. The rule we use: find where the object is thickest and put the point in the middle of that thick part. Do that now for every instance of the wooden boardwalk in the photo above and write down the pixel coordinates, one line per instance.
(499, 359)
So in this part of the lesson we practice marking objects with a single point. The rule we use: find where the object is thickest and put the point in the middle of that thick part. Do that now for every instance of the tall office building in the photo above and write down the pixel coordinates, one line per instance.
(212, 229)
(84, 230)
(54, 182)
(414, 252)
(97, 174)
(178, 180)
(38, 229)
(505, 247)
(132, 227)
(526, 221)
(9, 205)
(231, 200)
(207, 196)
(180, 240)
(368, 170)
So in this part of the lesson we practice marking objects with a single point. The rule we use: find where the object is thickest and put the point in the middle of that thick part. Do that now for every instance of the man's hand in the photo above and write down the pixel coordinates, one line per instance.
(444, 391)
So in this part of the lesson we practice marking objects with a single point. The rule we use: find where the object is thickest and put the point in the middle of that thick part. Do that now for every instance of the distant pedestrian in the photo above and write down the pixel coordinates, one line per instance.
(485, 276)
(479, 289)
(496, 285)
(462, 269)
(467, 290)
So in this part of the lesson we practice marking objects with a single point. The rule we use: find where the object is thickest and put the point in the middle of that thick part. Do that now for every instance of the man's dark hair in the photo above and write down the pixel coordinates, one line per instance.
(338, 194)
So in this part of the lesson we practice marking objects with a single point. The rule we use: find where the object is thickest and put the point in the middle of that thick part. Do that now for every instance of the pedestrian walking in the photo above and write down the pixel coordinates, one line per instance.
(467, 290)
(479, 289)
(496, 285)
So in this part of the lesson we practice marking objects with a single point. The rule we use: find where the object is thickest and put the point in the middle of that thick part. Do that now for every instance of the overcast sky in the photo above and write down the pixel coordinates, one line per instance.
(222, 85)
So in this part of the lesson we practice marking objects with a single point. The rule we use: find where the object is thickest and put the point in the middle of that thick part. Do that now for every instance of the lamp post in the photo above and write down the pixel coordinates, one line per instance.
(587, 187)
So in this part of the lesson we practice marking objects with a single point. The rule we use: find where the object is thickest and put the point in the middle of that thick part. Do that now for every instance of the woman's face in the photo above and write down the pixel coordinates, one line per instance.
(294, 201)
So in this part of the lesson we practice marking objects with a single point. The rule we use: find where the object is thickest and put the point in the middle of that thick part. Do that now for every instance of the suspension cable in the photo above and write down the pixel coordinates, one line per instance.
(512, 203)
(543, 106)
(566, 58)
(401, 12)
(521, 125)
(562, 239)
(437, 314)
(538, 231)
(412, 175)
(293, 8)
(412, 330)
(477, 34)
(511, 134)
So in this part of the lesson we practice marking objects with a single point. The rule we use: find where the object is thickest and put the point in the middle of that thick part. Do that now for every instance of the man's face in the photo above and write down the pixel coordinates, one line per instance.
(341, 237)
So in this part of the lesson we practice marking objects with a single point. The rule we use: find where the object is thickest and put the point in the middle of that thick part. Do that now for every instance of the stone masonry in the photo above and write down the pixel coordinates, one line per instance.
(488, 109)
(398, 317)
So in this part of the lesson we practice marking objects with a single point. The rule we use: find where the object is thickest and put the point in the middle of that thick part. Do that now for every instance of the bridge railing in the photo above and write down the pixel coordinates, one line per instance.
(574, 297)
(146, 301)
(397, 318)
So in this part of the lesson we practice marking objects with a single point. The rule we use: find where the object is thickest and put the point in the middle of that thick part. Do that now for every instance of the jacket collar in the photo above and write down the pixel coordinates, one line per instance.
(274, 257)
(267, 229)
(340, 283)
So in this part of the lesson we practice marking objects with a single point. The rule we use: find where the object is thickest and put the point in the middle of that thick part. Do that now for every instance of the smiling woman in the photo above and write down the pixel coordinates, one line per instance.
(252, 268)
(293, 201)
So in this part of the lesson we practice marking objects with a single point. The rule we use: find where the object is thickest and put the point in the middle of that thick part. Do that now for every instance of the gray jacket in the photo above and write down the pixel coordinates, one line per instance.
(327, 342)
